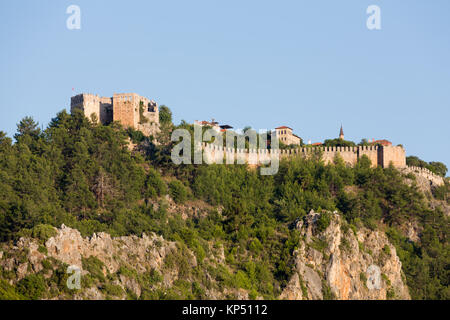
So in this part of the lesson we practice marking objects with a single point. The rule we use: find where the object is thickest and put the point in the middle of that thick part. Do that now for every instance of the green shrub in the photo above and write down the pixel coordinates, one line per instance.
(43, 250)
(94, 266)
(363, 277)
(386, 279)
(32, 286)
(390, 294)
(130, 273)
(198, 291)
(411, 176)
(327, 293)
(8, 292)
(43, 232)
(303, 287)
(354, 229)
(46, 264)
(324, 221)
(345, 244)
(240, 280)
(113, 290)
(155, 277)
(87, 281)
(155, 186)
(319, 244)
(178, 191)
(136, 136)
(256, 246)
(442, 192)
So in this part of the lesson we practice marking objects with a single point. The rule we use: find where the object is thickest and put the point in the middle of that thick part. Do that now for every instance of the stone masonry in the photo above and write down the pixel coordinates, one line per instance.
(381, 156)
(130, 109)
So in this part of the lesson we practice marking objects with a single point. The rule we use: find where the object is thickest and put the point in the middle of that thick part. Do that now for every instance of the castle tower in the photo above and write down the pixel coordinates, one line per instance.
(130, 109)
(341, 134)
(93, 104)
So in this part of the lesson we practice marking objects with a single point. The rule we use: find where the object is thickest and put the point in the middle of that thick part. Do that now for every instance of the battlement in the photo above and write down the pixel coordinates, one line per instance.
(425, 173)
(381, 156)
(130, 109)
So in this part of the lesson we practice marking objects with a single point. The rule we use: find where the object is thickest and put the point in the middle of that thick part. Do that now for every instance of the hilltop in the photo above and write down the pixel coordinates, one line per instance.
(110, 201)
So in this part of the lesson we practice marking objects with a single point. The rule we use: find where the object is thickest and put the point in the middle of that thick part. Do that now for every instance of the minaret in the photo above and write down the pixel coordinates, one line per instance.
(341, 134)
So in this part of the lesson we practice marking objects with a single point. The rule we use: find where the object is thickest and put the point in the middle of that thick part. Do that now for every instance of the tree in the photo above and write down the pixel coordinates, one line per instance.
(27, 126)
(338, 143)
(436, 167)
(166, 126)
(78, 195)
(439, 168)
(5, 142)
(178, 191)
(154, 185)
(165, 115)
(102, 187)
(415, 162)
(364, 143)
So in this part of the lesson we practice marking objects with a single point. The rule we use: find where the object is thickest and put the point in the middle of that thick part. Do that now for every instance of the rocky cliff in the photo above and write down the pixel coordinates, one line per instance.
(334, 261)
(69, 249)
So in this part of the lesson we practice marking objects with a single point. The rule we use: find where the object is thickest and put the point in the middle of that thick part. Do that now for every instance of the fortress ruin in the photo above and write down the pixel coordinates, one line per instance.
(140, 113)
(130, 109)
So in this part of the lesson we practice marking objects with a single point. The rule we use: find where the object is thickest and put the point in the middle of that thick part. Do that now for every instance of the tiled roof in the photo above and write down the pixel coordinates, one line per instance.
(383, 142)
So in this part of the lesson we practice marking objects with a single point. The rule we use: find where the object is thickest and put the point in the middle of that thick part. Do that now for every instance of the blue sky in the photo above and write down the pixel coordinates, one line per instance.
(311, 65)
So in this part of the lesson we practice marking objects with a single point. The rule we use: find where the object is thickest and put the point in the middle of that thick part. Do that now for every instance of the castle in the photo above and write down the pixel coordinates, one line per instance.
(140, 113)
(130, 109)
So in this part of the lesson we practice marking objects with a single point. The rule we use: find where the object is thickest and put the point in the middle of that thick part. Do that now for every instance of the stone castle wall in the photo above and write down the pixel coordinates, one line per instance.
(425, 173)
(124, 110)
(93, 104)
(381, 156)
(396, 155)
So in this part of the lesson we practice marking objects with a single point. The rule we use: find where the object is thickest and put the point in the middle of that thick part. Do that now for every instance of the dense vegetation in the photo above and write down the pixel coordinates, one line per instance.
(338, 143)
(434, 166)
(83, 175)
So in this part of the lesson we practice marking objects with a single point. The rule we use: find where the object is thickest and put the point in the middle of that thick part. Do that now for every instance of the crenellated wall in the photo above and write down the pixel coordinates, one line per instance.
(378, 155)
(425, 173)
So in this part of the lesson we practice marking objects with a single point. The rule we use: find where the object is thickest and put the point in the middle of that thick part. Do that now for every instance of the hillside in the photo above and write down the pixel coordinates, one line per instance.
(140, 227)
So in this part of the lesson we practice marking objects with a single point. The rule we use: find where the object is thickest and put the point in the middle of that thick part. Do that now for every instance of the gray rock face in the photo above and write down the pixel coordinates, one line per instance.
(142, 253)
(334, 262)
(342, 263)
(131, 284)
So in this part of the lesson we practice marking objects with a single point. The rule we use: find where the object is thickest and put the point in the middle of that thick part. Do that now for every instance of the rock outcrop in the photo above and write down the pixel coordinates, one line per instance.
(340, 263)
(332, 261)
(144, 253)
(69, 248)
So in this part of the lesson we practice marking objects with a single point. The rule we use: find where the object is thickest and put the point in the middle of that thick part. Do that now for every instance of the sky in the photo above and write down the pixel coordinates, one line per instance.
(311, 65)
